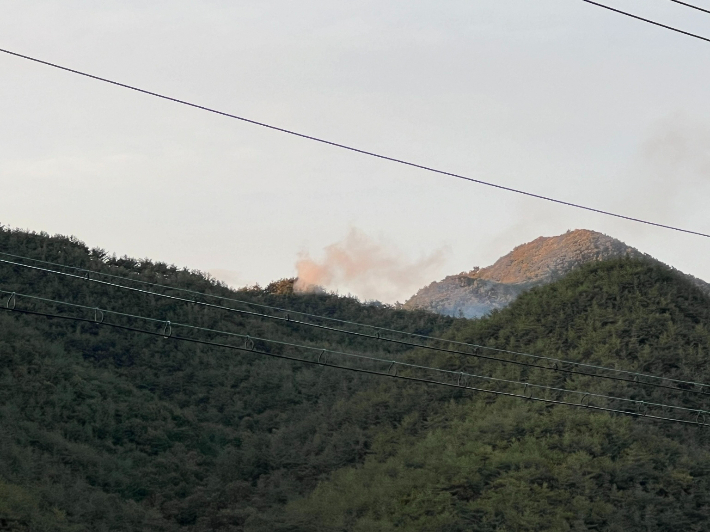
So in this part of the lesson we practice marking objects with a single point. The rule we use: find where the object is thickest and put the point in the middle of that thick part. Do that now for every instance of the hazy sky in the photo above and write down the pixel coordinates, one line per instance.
(557, 97)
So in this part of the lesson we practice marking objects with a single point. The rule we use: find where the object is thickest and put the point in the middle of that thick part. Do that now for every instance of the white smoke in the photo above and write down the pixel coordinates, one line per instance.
(368, 269)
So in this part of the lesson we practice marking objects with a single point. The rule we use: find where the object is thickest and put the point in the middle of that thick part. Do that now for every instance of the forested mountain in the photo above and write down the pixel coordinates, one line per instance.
(490, 465)
(111, 429)
(545, 259)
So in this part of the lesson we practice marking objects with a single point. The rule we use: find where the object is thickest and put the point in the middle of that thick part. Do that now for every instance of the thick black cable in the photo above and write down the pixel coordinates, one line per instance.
(648, 20)
(359, 370)
(351, 148)
(691, 6)
(555, 368)
(461, 375)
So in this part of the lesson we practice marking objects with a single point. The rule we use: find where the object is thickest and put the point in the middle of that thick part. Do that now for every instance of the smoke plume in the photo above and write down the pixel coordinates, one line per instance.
(674, 169)
(367, 269)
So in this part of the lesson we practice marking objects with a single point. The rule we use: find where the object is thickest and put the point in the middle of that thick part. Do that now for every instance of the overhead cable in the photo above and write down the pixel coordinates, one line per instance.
(691, 6)
(351, 148)
(324, 354)
(636, 408)
(554, 365)
(224, 298)
(649, 21)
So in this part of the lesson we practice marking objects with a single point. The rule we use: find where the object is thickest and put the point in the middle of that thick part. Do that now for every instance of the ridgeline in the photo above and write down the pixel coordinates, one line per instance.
(107, 429)
(546, 259)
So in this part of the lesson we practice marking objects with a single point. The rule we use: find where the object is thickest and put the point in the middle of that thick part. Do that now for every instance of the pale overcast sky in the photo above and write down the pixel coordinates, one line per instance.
(556, 97)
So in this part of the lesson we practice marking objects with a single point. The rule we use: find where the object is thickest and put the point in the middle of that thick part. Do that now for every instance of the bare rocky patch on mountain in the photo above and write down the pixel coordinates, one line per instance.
(545, 259)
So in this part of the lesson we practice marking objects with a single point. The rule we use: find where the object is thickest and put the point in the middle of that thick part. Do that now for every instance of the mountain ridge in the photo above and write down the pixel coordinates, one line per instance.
(108, 429)
(476, 293)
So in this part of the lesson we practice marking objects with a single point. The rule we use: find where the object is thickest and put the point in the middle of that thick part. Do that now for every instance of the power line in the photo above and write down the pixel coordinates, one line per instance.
(225, 298)
(649, 21)
(170, 326)
(641, 406)
(288, 312)
(557, 364)
(691, 6)
(554, 367)
(352, 148)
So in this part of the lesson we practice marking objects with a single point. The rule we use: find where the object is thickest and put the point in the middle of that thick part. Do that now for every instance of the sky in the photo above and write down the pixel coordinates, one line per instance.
(556, 97)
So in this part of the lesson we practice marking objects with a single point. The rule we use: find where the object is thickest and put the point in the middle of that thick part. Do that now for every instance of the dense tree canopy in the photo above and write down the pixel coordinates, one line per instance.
(105, 429)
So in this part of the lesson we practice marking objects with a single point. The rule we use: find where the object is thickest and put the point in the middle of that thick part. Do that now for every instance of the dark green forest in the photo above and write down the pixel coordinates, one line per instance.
(108, 429)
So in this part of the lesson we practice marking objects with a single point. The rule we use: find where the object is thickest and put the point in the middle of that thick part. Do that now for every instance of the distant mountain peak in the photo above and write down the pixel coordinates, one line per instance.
(550, 257)
(541, 261)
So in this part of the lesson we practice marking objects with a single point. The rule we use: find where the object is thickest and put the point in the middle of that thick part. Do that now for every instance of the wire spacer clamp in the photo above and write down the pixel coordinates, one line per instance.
(641, 408)
(167, 330)
(581, 401)
(248, 343)
(11, 301)
(527, 395)
(98, 315)
(462, 381)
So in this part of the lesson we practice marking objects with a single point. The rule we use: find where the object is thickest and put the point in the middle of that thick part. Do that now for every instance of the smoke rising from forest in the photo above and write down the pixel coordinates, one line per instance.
(675, 164)
(369, 269)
